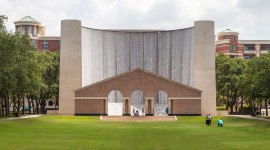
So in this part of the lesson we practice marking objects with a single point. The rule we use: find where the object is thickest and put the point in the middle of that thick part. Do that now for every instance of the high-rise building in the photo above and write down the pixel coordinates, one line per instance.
(227, 43)
(37, 34)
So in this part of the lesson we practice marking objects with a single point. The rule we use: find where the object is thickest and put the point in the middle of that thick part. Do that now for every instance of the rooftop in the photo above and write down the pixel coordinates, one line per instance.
(228, 32)
(27, 19)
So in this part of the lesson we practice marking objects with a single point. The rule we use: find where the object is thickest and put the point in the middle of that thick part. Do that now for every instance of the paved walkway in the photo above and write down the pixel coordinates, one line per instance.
(249, 117)
(139, 118)
(21, 117)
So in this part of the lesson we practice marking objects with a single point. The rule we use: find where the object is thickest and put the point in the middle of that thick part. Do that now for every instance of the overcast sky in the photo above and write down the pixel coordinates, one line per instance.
(251, 18)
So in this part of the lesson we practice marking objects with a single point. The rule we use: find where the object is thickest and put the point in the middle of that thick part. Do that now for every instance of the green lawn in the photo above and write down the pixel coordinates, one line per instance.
(83, 133)
(266, 117)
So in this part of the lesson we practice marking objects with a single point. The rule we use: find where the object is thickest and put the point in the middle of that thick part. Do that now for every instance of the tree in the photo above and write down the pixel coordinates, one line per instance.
(7, 62)
(229, 73)
(260, 70)
(49, 64)
(25, 73)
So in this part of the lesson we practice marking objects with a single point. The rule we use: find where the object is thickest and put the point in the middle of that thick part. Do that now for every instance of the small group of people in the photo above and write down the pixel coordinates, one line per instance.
(209, 121)
(220, 123)
(167, 111)
(136, 112)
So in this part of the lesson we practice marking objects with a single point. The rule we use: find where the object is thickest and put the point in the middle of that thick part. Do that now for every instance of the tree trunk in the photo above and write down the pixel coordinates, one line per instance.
(37, 106)
(23, 105)
(260, 106)
(236, 108)
(57, 102)
(2, 106)
(7, 104)
(241, 104)
(19, 104)
(43, 106)
(29, 104)
(14, 106)
(266, 108)
(33, 106)
(231, 109)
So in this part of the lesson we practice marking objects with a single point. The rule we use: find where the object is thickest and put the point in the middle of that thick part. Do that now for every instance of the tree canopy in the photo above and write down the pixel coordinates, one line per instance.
(26, 74)
(242, 81)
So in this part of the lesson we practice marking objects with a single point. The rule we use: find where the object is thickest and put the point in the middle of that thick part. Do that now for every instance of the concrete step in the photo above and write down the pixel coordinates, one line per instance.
(139, 118)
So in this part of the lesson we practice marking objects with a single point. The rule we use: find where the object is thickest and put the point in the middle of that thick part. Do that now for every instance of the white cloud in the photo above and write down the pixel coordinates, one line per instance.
(248, 17)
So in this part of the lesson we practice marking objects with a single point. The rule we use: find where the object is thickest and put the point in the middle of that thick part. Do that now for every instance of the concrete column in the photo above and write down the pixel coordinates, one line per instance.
(35, 30)
(124, 106)
(70, 65)
(152, 106)
(106, 106)
(204, 65)
(169, 106)
(129, 106)
(258, 47)
(146, 106)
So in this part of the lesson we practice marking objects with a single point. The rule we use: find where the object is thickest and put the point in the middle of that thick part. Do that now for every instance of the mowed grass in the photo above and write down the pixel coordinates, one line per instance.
(89, 133)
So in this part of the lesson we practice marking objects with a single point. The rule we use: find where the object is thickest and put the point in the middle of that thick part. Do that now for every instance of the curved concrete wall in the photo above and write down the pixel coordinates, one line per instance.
(90, 55)
(109, 53)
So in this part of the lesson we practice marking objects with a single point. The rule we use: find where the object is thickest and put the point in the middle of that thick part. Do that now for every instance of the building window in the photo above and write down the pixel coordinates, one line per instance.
(50, 103)
(232, 48)
(249, 47)
(34, 43)
(248, 57)
(45, 44)
(225, 36)
(32, 31)
(26, 29)
(18, 29)
(58, 44)
(265, 47)
(233, 38)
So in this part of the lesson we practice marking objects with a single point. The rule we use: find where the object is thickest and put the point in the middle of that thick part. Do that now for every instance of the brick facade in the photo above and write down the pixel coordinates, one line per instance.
(182, 99)
(227, 43)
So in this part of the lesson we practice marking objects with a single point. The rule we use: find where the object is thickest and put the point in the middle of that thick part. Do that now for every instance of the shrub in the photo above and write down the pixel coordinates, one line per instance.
(221, 108)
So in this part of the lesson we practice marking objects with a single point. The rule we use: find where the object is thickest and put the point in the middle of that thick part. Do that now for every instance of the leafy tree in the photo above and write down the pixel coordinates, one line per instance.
(259, 70)
(49, 64)
(229, 74)
(25, 74)
(7, 62)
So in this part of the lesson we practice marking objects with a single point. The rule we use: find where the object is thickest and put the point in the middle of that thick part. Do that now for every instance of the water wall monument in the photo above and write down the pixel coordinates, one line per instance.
(112, 72)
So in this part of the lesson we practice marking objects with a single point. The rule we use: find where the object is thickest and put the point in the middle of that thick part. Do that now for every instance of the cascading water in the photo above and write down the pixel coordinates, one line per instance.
(167, 53)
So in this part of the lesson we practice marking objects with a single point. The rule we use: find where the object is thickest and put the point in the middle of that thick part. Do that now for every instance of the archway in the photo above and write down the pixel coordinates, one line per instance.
(160, 103)
(137, 102)
(115, 104)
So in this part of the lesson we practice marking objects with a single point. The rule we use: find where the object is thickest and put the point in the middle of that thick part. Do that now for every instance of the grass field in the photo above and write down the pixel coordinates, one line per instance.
(88, 133)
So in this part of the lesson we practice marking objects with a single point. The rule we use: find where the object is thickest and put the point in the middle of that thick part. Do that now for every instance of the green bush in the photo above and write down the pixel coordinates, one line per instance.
(245, 110)
(221, 108)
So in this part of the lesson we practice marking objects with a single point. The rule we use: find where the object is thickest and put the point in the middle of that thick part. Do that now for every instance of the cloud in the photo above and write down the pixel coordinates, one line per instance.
(248, 17)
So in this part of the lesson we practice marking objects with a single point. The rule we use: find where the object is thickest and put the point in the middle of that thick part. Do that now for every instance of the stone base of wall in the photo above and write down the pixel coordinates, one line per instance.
(52, 112)
(91, 114)
(222, 112)
(184, 114)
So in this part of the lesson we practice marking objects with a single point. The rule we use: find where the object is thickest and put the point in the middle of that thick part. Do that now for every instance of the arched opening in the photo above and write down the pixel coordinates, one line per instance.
(160, 103)
(137, 102)
(115, 104)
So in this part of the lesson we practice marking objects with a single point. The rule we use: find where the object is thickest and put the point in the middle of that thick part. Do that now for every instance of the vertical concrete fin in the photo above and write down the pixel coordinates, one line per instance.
(70, 65)
(204, 64)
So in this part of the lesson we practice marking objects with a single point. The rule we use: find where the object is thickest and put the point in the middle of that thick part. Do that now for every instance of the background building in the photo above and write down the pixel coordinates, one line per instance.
(228, 44)
(37, 34)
